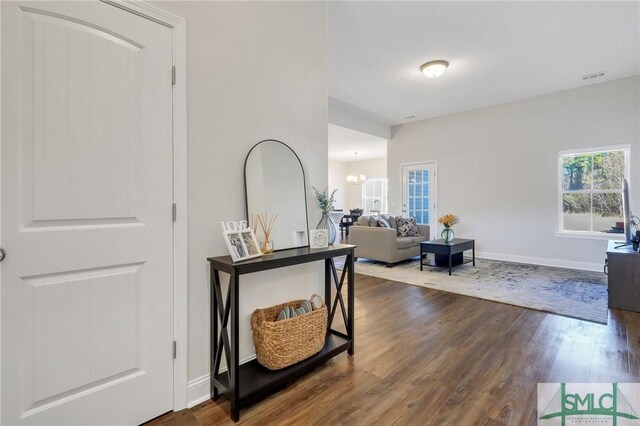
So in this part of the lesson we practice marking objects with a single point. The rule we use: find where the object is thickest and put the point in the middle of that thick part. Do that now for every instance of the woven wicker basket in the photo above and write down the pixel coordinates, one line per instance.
(280, 344)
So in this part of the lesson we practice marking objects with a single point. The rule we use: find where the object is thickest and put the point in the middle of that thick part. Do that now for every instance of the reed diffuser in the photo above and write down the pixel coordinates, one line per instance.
(266, 222)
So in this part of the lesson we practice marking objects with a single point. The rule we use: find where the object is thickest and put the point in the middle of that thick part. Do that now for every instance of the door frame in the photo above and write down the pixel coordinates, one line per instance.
(180, 231)
(434, 190)
(180, 190)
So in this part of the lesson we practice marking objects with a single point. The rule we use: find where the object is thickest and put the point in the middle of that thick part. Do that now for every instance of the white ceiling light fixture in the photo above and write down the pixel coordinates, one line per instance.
(434, 69)
(356, 178)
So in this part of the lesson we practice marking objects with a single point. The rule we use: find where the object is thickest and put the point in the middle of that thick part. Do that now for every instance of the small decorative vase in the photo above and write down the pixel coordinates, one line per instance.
(327, 223)
(447, 234)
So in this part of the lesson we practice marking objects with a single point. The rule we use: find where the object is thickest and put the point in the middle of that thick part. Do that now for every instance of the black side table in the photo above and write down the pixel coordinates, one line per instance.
(457, 245)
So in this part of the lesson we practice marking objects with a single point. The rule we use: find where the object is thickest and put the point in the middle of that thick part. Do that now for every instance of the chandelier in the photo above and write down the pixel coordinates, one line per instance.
(356, 178)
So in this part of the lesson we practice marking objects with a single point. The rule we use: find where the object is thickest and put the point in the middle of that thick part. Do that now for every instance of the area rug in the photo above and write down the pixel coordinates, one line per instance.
(567, 292)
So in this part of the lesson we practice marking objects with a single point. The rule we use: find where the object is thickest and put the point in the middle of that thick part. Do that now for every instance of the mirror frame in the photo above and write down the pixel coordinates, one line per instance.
(304, 184)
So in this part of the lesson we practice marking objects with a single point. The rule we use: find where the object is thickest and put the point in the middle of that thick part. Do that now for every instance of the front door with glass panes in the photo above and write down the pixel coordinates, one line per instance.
(418, 194)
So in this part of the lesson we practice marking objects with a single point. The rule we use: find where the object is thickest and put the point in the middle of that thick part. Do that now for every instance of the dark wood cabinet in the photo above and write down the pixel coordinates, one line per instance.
(623, 268)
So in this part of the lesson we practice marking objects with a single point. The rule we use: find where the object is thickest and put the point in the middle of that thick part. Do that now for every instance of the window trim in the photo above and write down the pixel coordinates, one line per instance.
(560, 232)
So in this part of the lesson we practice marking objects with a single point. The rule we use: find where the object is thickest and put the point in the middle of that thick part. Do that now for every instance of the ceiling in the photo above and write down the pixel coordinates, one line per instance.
(498, 52)
(344, 142)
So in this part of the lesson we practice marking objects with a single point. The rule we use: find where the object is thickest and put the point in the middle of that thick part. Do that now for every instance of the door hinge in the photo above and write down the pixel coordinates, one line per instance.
(173, 75)
(174, 212)
(175, 350)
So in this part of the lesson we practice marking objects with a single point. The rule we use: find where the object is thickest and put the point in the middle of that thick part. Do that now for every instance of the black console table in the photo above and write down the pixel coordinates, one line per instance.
(247, 383)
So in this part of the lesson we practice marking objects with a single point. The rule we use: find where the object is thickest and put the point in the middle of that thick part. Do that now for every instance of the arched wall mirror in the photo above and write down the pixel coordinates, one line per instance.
(275, 185)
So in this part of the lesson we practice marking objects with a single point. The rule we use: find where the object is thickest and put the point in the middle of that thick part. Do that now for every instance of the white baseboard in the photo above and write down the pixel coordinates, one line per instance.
(570, 264)
(199, 391)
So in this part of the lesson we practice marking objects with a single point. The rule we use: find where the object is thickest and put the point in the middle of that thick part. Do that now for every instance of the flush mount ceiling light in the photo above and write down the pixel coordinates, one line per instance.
(433, 69)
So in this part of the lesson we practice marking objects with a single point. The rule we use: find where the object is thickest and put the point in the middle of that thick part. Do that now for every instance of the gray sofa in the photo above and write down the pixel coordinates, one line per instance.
(383, 244)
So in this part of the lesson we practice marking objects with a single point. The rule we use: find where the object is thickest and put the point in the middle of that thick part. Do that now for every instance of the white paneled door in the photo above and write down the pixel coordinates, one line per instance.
(86, 191)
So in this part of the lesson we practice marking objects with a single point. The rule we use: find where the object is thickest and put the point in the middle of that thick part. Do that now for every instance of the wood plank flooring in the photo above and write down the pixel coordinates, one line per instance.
(426, 357)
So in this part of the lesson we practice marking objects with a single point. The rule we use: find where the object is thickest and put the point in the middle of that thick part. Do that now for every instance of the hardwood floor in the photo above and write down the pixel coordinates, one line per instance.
(425, 357)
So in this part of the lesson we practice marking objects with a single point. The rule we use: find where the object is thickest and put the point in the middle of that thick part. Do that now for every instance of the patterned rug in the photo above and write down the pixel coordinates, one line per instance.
(568, 292)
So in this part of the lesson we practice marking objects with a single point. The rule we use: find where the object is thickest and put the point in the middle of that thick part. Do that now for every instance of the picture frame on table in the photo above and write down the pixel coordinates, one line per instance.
(241, 241)
(319, 238)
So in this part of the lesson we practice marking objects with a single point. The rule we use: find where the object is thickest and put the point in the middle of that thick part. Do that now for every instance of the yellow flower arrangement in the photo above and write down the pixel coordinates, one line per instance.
(448, 220)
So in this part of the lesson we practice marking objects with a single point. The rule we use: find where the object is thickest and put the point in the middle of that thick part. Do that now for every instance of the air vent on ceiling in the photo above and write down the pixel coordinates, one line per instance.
(593, 75)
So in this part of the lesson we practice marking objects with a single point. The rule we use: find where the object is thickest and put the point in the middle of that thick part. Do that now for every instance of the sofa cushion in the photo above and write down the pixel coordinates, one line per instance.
(408, 242)
(367, 221)
(363, 221)
(407, 227)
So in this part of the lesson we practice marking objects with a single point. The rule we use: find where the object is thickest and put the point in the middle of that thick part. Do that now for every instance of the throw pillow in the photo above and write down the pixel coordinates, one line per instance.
(407, 227)
(383, 223)
(391, 219)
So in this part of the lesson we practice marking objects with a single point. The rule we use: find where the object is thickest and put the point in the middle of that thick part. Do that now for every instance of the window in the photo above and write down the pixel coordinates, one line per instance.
(591, 190)
(374, 195)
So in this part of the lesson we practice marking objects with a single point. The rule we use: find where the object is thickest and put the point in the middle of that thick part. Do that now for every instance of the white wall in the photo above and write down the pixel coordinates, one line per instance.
(256, 70)
(497, 167)
(375, 168)
(337, 180)
(354, 118)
